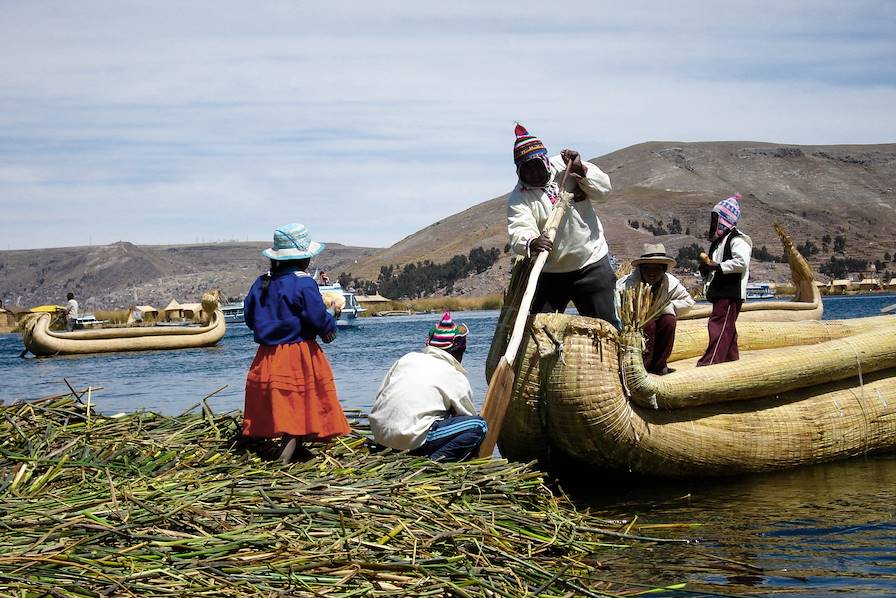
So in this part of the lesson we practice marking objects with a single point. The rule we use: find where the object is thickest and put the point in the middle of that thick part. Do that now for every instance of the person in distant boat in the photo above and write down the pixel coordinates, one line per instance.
(725, 272)
(652, 268)
(290, 391)
(324, 279)
(425, 403)
(578, 266)
(71, 311)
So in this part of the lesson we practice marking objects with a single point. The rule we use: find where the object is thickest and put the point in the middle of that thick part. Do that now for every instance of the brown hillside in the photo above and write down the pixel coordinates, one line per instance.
(813, 190)
(123, 274)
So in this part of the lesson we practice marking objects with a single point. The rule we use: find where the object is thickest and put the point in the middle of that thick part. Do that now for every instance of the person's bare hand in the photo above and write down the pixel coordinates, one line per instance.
(541, 243)
(573, 162)
(709, 266)
(328, 337)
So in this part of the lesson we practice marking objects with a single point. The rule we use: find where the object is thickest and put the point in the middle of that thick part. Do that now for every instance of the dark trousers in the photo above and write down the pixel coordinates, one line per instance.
(659, 335)
(722, 332)
(454, 438)
(592, 290)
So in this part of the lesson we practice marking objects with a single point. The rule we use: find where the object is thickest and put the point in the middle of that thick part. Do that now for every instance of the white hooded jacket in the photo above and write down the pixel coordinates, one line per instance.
(420, 388)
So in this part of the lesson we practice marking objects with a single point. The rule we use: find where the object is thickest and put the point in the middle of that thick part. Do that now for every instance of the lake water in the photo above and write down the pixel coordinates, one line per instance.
(813, 531)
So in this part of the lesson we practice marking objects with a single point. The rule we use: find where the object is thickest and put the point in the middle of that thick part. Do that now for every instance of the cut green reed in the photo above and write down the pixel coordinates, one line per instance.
(140, 503)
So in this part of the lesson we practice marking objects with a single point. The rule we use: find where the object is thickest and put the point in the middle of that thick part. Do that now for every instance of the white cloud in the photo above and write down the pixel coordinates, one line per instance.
(370, 121)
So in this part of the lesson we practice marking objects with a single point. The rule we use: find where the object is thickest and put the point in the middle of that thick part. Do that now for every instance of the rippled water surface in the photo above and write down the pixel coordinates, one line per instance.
(814, 531)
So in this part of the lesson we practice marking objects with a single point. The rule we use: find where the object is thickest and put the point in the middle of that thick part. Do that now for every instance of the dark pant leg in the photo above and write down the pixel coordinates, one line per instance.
(722, 333)
(454, 438)
(594, 292)
(552, 293)
(663, 340)
(659, 335)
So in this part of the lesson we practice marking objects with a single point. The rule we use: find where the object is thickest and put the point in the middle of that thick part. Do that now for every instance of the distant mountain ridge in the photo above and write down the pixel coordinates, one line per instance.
(846, 190)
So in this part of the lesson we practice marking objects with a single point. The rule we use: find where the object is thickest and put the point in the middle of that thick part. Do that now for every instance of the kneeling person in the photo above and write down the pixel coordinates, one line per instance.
(425, 403)
(652, 268)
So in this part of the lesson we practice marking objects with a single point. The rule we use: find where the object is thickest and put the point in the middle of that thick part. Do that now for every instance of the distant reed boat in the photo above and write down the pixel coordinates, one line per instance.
(41, 341)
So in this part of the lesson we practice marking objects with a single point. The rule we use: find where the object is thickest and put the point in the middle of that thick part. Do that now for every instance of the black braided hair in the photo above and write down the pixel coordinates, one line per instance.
(280, 266)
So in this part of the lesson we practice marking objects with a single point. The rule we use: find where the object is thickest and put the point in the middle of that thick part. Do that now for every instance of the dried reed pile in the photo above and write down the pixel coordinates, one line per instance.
(142, 504)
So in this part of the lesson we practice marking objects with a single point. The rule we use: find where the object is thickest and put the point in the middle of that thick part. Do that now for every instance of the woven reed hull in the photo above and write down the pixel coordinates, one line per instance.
(41, 341)
(579, 410)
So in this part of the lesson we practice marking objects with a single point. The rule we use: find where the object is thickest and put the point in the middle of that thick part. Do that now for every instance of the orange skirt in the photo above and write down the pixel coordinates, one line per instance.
(290, 390)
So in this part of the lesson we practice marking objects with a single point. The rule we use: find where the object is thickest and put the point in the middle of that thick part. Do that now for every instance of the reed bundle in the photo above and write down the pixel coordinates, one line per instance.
(144, 504)
(638, 305)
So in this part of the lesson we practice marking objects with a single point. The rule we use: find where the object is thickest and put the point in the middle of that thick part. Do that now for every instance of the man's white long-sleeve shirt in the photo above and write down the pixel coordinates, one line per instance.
(420, 388)
(580, 239)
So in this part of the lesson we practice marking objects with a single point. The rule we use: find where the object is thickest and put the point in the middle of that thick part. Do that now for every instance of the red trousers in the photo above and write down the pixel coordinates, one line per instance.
(722, 332)
(659, 335)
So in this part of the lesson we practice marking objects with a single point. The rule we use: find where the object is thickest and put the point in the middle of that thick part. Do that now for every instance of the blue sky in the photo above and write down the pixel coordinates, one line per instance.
(181, 122)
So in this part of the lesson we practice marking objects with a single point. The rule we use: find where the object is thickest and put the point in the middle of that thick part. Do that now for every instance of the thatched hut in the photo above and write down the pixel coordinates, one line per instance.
(191, 311)
(173, 311)
(375, 298)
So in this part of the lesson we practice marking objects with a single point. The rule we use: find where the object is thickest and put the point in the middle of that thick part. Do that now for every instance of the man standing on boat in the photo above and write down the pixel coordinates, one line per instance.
(659, 333)
(725, 272)
(71, 312)
(578, 266)
(425, 403)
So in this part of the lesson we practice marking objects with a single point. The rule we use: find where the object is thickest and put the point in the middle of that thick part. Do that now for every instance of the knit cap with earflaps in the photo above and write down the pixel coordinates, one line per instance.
(447, 335)
(729, 212)
(526, 146)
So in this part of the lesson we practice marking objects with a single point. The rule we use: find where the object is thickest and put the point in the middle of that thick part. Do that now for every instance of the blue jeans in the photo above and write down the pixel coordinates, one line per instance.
(454, 438)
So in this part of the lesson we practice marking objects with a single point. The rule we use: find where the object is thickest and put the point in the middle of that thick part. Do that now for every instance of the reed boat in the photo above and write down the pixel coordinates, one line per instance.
(804, 391)
(42, 341)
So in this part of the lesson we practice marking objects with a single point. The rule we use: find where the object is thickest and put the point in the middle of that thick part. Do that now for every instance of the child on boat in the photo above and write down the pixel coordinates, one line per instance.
(290, 392)
(425, 403)
(659, 333)
(725, 272)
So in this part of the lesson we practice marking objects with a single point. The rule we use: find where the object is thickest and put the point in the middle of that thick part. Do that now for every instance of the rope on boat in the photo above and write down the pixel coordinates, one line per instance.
(860, 400)
(558, 344)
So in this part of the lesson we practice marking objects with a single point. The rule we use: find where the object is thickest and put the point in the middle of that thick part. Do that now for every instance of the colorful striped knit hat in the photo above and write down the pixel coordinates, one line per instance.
(526, 146)
(729, 212)
(447, 335)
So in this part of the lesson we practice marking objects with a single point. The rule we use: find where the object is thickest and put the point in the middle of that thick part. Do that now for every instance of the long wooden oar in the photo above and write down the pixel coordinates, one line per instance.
(501, 385)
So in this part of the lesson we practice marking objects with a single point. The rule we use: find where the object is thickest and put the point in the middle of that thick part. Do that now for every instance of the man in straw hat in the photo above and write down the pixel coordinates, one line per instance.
(725, 275)
(425, 403)
(578, 268)
(652, 268)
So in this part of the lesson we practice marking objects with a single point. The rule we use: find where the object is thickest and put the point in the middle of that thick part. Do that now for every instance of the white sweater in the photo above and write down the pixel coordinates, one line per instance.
(420, 389)
(580, 239)
(680, 301)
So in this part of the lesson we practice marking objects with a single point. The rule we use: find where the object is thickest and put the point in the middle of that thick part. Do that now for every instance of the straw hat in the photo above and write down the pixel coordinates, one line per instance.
(654, 253)
(292, 242)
